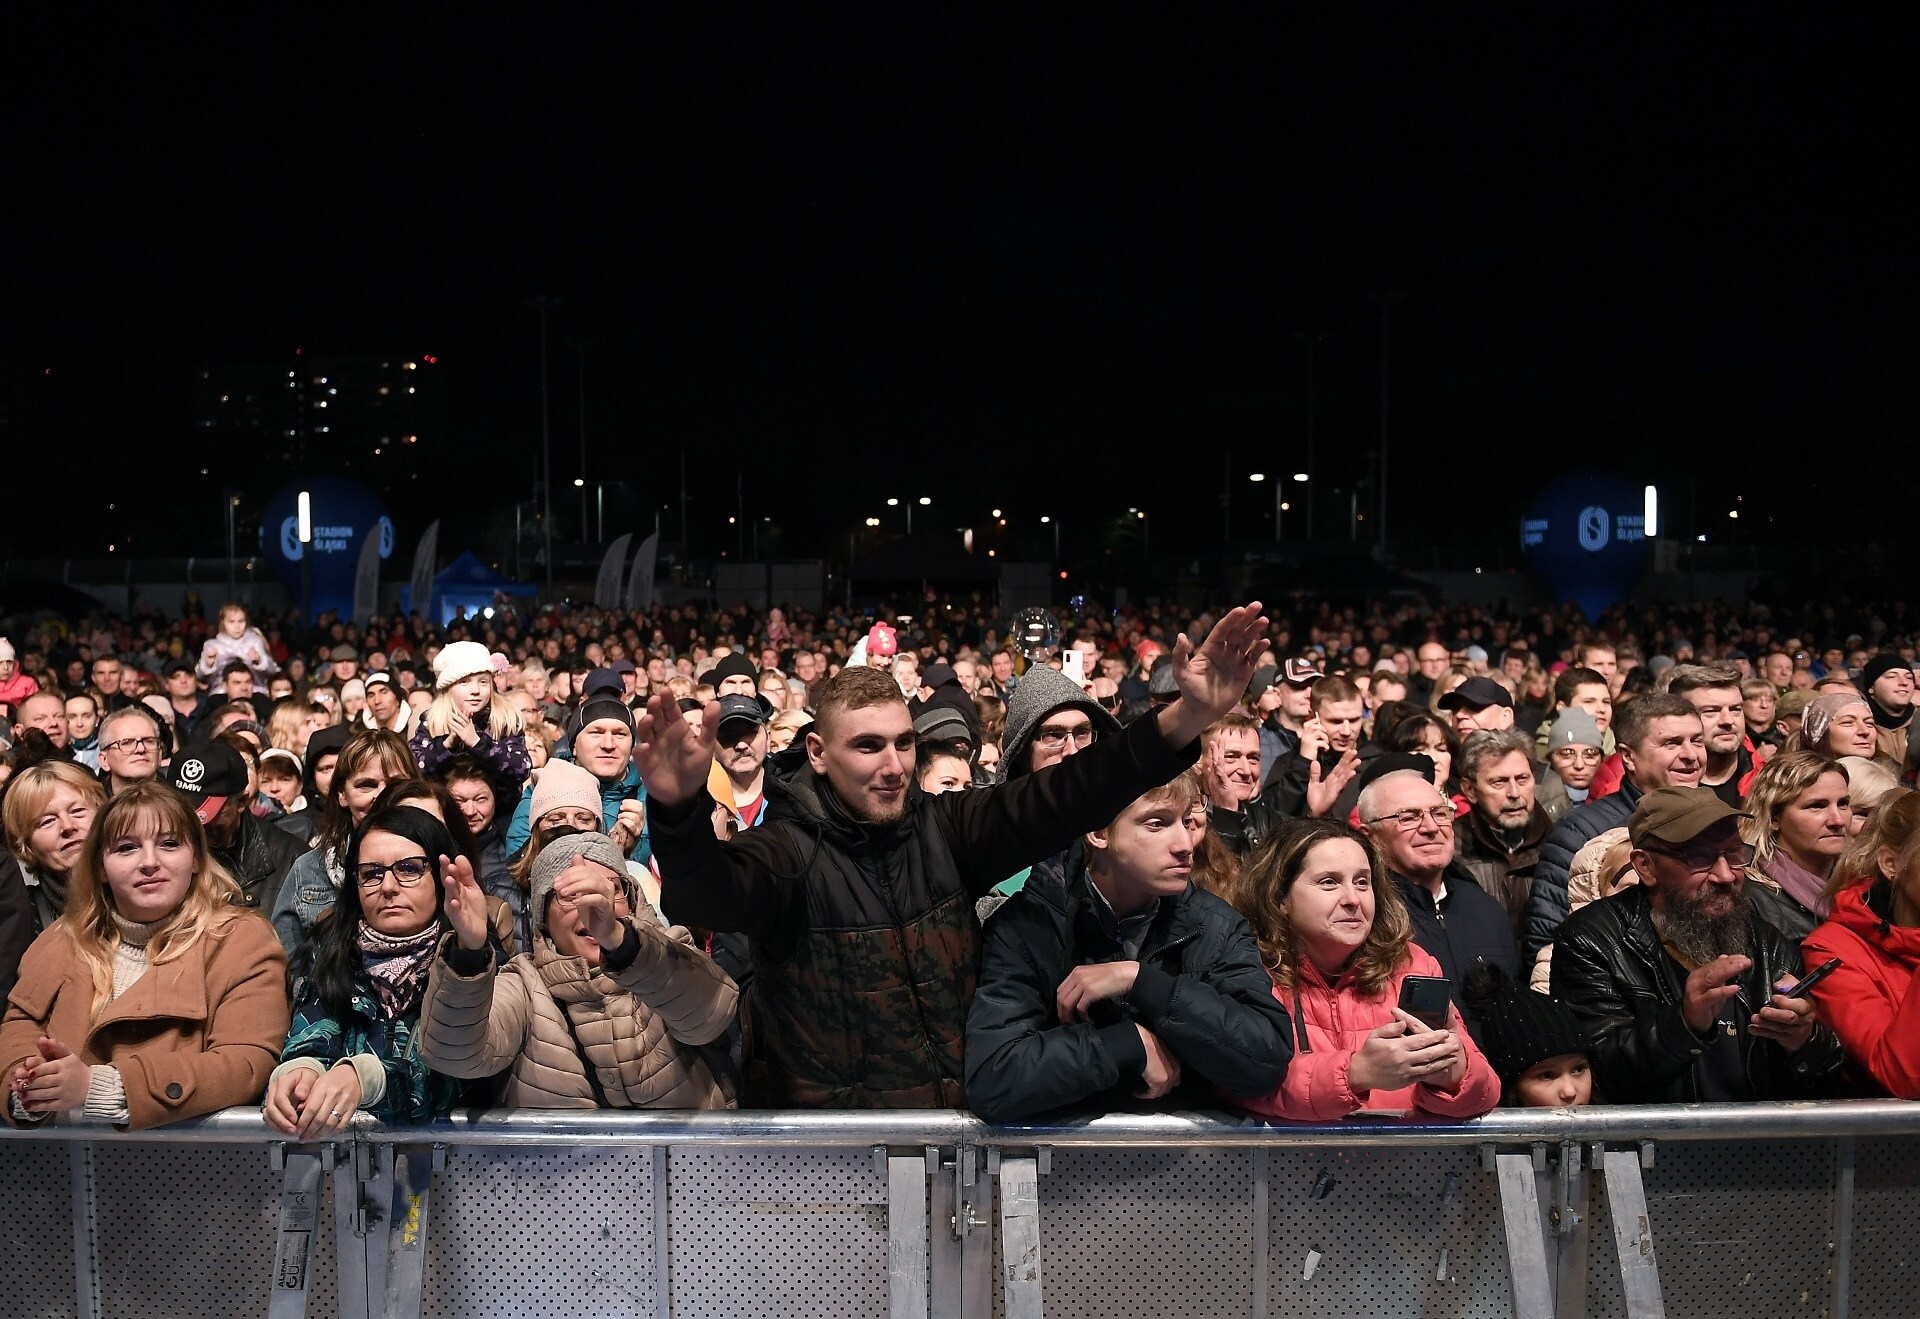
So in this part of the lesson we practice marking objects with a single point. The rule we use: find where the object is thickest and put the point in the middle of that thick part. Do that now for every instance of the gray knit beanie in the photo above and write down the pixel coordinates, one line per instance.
(558, 855)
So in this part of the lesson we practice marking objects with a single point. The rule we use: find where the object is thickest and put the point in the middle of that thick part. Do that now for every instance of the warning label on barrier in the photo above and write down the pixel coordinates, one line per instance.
(290, 1270)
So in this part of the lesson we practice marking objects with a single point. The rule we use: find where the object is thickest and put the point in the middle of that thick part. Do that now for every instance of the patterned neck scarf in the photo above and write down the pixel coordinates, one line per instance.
(397, 966)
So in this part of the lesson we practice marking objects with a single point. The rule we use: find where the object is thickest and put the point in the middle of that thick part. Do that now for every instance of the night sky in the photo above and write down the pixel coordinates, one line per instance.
(1053, 259)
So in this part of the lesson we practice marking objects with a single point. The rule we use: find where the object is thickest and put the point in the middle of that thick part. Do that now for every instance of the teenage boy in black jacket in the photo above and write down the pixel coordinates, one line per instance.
(1120, 981)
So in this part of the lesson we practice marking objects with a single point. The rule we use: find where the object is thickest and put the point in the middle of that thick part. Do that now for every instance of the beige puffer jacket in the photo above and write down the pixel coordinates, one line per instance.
(1600, 869)
(639, 1027)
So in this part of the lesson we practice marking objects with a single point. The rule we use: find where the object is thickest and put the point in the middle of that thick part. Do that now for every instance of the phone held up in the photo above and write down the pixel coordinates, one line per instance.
(1426, 999)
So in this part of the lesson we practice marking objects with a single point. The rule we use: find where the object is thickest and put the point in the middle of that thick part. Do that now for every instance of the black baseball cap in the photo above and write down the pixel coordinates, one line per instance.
(756, 708)
(174, 666)
(206, 774)
(1477, 694)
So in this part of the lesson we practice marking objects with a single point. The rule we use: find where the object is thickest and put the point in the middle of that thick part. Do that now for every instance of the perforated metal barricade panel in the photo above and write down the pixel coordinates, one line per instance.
(188, 1230)
(533, 1232)
(1886, 1230)
(778, 1233)
(1742, 1230)
(1166, 1232)
(1379, 1232)
(36, 1230)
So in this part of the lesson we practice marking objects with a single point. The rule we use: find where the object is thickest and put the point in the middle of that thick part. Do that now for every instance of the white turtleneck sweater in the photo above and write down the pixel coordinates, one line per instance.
(106, 1099)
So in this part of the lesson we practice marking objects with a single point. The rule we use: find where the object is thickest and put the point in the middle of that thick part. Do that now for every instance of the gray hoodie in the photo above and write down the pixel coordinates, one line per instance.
(1043, 690)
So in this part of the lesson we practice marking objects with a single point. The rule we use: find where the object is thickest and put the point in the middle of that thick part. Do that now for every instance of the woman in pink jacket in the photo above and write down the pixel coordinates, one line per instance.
(1338, 942)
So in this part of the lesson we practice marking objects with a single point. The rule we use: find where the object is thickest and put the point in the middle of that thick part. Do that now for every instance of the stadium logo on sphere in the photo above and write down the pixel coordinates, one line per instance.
(1593, 528)
(290, 545)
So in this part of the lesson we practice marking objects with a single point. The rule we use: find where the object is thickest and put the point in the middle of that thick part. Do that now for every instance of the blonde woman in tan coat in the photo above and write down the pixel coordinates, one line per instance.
(600, 986)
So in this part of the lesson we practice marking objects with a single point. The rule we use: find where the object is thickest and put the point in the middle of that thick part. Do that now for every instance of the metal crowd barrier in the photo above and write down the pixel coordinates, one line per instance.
(1755, 1211)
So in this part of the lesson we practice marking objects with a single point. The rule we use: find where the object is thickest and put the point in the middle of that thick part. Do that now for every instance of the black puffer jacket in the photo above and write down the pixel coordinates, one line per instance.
(1201, 988)
(863, 938)
(1609, 967)
(1548, 906)
(1465, 929)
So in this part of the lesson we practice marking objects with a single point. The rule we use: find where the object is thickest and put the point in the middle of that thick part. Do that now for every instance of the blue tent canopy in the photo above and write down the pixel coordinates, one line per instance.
(470, 584)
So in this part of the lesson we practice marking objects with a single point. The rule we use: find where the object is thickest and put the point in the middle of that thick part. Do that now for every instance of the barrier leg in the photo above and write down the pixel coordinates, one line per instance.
(662, 1233)
(907, 1236)
(1020, 1236)
(1841, 1273)
(362, 1195)
(294, 1245)
(1633, 1235)
(412, 1186)
(1569, 1226)
(962, 1263)
(86, 1233)
(1526, 1239)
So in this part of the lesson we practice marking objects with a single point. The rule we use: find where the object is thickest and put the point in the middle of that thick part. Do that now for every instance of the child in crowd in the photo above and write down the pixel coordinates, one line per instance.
(469, 715)
(237, 639)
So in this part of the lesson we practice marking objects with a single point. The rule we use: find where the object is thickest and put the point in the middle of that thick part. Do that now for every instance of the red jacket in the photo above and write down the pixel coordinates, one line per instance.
(1338, 1018)
(1871, 1002)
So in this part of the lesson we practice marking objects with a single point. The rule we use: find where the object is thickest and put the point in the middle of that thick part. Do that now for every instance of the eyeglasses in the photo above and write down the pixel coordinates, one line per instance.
(132, 744)
(406, 872)
(1055, 738)
(1699, 863)
(1441, 817)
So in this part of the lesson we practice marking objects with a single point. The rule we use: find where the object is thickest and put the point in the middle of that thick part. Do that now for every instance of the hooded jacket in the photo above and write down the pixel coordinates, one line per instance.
(639, 1017)
(1610, 969)
(1201, 988)
(862, 936)
(1330, 1024)
(1871, 1002)
(1041, 692)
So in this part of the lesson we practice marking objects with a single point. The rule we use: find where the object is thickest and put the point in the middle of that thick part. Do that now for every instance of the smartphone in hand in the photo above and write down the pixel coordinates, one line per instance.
(1427, 1000)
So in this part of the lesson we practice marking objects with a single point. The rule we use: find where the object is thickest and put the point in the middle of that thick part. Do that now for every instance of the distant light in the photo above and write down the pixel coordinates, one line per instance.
(996, 512)
(1141, 514)
(925, 500)
(487, 612)
(1479, 570)
(1702, 538)
(1300, 477)
(729, 521)
(579, 482)
(1063, 574)
(1734, 513)
(873, 522)
(1650, 516)
(1256, 477)
(1044, 518)
(305, 515)
(893, 503)
(411, 366)
(428, 358)
(991, 553)
(1286, 506)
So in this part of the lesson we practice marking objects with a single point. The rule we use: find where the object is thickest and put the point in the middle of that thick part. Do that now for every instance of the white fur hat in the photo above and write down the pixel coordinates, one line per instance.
(462, 659)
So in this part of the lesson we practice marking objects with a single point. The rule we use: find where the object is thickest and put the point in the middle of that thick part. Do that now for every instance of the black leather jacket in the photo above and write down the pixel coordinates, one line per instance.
(1609, 968)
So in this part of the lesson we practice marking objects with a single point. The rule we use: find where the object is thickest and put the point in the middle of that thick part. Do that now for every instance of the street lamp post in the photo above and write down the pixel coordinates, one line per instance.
(543, 305)
(1312, 341)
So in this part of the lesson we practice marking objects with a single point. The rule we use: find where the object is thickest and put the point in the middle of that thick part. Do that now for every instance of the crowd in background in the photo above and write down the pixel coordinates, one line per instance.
(1301, 862)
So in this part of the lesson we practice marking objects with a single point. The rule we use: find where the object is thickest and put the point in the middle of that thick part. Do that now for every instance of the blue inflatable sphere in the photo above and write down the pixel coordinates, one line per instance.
(1585, 536)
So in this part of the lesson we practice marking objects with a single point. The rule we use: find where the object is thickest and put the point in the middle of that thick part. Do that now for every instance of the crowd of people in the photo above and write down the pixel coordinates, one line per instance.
(1389, 860)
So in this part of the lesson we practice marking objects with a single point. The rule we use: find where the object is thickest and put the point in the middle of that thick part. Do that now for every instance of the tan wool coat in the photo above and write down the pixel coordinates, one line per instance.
(193, 1035)
(640, 1028)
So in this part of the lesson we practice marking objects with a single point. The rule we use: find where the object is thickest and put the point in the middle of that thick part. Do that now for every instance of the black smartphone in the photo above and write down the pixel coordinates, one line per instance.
(1820, 973)
(1426, 999)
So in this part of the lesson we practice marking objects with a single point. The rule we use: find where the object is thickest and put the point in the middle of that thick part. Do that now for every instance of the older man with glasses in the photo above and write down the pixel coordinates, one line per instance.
(1453, 918)
(129, 748)
(1681, 987)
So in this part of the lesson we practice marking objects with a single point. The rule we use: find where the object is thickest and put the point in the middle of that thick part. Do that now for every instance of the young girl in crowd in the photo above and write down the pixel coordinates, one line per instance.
(1338, 941)
(236, 640)
(470, 717)
(354, 1042)
(1535, 1044)
(153, 998)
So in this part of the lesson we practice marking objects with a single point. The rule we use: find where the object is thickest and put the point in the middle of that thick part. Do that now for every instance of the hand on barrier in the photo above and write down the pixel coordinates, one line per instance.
(1709, 987)
(1402, 1053)
(310, 1105)
(54, 1084)
(1162, 1072)
(1323, 793)
(466, 905)
(1788, 1022)
(1087, 985)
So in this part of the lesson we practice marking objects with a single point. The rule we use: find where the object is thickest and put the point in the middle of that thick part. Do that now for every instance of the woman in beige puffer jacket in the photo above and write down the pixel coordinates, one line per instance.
(637, 998)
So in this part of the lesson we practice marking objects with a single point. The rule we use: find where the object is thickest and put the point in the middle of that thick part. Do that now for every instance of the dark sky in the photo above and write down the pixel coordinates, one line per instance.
(991, 256)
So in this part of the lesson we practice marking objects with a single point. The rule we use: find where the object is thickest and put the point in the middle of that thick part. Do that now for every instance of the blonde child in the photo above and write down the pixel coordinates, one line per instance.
(236, 640)
(469, 716)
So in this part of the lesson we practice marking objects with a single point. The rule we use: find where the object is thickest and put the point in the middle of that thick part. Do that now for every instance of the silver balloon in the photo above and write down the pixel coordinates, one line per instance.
(1037, 632)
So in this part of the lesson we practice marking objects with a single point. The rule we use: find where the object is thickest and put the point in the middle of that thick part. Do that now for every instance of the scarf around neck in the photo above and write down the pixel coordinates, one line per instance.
(1797, 882)
(397, 966)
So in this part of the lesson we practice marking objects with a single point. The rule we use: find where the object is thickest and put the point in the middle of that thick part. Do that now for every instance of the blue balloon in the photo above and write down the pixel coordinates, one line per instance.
(342, 512)
(1585, 536)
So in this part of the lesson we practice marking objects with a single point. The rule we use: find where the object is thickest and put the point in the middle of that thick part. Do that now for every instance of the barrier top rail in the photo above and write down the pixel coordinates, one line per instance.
(818, 1129)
